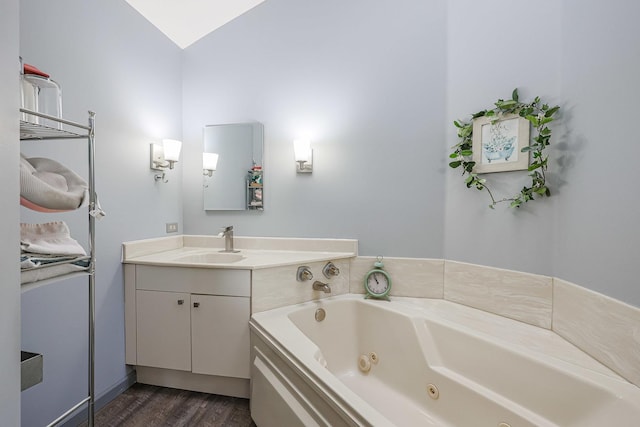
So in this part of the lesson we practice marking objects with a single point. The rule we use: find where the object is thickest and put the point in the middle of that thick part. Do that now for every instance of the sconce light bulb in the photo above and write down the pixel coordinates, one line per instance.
(172, 149)
(210, 161)
(302, 150)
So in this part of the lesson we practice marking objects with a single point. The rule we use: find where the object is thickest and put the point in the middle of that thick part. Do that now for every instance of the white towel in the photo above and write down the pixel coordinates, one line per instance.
(51, 238)
(29, 260)
(29, 276)
(48, 186)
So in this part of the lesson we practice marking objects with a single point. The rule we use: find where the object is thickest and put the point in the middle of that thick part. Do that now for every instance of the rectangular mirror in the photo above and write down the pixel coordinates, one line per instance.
(232, 186)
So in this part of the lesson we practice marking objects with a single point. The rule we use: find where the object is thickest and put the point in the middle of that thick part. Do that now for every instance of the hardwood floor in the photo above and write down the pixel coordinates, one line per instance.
(150, 406)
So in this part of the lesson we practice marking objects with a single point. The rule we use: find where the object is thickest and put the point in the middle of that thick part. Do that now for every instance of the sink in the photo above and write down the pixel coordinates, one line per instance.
(210, 258)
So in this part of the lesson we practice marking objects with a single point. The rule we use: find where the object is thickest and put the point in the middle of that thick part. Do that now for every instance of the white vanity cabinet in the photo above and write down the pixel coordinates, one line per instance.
(188, 327)
(220, 335)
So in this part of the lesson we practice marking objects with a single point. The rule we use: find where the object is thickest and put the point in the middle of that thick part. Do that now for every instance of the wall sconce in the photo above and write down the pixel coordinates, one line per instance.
(209, 163)
(164, 157)
(303, 155)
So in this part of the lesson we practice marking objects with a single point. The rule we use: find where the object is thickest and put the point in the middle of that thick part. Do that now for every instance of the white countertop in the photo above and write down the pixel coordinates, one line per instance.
(256, 253)
(253, 259)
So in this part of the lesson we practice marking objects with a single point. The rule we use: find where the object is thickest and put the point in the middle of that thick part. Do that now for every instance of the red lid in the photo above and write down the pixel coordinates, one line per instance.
(30, 69)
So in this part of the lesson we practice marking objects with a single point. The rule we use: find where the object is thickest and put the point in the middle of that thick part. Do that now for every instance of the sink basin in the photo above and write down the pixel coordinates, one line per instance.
(210, 258)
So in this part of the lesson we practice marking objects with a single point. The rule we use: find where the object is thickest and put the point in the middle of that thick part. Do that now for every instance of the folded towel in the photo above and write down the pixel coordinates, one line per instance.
(51, 238)
(48, 186)
(29, 276)
(29, 260)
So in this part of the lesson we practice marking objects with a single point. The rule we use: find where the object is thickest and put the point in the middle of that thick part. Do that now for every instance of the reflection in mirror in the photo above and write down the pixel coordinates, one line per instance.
(239, 149)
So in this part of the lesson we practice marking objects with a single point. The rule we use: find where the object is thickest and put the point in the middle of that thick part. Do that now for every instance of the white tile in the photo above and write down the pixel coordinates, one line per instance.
(278, 287)
(410, 277)
(521, 296)
(607, 329)
(299, 244)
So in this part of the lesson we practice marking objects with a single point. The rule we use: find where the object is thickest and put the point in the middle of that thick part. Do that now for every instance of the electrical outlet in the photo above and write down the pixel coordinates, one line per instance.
(172, 227)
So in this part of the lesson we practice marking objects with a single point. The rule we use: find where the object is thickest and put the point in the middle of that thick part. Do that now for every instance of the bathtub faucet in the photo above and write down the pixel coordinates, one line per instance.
(227, 233)
(319, 286)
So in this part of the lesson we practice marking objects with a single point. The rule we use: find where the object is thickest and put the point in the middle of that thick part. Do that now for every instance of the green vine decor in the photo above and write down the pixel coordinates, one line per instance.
(539, 115)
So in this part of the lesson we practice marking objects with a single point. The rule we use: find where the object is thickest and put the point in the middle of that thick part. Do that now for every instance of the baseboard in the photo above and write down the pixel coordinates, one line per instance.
(213, 384)
(102, 400)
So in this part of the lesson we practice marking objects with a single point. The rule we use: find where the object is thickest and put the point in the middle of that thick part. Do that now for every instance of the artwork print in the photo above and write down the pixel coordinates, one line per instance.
(497, 144)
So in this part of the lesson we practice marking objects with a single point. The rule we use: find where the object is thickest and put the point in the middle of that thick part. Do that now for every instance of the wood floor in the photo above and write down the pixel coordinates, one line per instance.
(150, 406)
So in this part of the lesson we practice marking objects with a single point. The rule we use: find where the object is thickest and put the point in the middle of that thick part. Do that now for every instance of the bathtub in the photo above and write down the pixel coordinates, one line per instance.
(422, 362)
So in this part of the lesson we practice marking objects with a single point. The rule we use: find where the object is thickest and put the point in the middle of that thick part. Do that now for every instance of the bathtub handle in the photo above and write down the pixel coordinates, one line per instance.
(330, 270)
(303, 273)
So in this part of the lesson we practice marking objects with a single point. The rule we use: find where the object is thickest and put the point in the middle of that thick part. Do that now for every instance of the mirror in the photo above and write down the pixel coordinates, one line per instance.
(239, 149)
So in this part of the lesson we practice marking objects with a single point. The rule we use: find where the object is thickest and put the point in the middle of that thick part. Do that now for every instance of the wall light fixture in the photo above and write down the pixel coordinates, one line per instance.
(164, 157)
(303, 155)
(209, 163)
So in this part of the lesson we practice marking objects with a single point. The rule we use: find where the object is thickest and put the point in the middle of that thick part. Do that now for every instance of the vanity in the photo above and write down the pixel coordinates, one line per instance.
(188, 303)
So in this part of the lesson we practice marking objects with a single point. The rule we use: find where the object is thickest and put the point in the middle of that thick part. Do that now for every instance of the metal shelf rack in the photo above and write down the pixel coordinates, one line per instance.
(72, 130)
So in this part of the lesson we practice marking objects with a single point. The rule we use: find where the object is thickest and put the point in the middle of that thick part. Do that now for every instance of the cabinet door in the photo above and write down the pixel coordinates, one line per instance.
(162, 325)
(220, 335)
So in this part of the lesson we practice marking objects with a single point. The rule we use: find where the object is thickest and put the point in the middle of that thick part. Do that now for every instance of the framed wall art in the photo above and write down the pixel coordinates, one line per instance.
(510, 136)
(498, 142)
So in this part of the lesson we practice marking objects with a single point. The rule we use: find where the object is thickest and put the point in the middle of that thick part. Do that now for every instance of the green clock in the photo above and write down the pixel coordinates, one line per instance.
(377, 282)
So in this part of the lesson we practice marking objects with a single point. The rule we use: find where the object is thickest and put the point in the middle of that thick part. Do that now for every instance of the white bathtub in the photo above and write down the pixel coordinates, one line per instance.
(487, 370)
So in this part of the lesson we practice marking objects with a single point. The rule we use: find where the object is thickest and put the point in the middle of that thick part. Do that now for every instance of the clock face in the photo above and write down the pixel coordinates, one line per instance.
(378, 282)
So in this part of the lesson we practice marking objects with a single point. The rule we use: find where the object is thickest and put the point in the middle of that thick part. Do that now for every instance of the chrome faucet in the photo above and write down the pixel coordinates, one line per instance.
(319, 286)
(227, 233)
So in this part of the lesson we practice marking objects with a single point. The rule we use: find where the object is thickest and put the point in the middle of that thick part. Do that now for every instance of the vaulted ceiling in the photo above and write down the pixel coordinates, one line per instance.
(186, 21)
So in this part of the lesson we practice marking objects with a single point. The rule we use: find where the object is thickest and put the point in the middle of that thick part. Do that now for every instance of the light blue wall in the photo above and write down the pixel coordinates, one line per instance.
(109, 59)
(9, 148)
(597, 234)
(366, 81)
(586, 57)
(493, 47)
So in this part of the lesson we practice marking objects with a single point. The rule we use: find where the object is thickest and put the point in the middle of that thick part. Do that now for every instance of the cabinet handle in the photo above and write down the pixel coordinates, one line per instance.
(180, 301)
(196, 304)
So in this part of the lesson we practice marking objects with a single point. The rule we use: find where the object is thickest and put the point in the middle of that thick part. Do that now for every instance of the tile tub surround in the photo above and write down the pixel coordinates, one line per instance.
(277, 287)
(410, 277)
(520, 296)
(603, 327)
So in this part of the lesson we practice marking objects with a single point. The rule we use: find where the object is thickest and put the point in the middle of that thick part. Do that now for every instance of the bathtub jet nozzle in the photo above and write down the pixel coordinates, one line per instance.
(364, 364)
